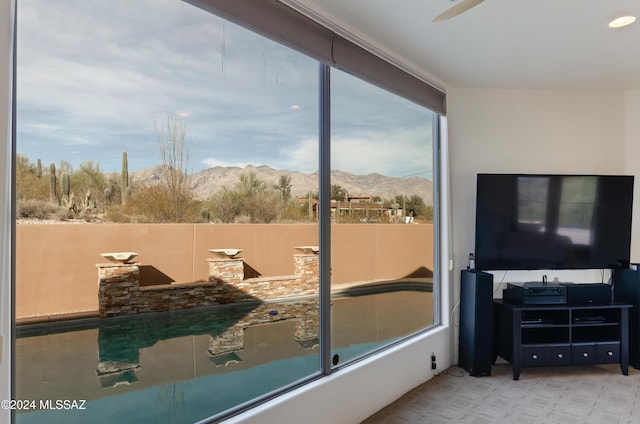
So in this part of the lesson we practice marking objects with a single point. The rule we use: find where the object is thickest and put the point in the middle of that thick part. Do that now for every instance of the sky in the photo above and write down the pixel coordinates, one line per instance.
(95, 78)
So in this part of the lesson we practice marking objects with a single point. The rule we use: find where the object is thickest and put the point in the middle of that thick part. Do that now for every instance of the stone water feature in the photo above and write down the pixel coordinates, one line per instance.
(120, 292)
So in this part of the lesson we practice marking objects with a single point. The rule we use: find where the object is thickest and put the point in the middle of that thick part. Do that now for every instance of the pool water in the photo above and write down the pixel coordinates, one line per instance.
(185, 366)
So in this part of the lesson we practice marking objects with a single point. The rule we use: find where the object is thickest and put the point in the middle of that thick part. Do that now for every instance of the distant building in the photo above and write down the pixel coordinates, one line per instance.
(359, 209)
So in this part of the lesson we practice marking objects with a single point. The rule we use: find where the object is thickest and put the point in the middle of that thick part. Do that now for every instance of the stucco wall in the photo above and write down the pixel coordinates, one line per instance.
(632, 164)
(56, 263)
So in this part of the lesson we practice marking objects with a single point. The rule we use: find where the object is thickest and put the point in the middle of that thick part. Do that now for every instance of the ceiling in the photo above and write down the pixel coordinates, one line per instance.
(528, 44)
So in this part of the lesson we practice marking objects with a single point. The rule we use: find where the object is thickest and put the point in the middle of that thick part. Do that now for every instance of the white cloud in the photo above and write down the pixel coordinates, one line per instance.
(301, 156)
(212, 162)
(92, 74)
(373, 154)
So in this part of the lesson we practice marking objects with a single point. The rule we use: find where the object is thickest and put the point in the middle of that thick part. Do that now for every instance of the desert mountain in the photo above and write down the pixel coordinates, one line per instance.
(208, 181)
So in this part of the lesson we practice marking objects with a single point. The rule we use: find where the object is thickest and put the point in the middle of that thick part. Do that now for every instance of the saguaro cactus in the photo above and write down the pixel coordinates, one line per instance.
(53, 197)
(39, 168)
(124, 179)
(65, 185)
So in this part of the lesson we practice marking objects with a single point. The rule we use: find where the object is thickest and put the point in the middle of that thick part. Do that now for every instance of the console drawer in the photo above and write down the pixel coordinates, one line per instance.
(583, 353)
(608, 352)
(533, 355)
(558, 355)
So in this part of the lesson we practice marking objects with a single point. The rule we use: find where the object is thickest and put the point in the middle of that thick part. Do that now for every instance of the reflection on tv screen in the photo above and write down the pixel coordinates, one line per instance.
(526, 221)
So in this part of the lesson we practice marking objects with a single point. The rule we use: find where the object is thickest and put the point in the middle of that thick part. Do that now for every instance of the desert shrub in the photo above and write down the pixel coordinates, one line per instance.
(35, 209)
(117, 213)
(157, 203)
(415, 206)
(250, 200)
(428, 213)
(30, 183)
(64, 214)
(293, 211)
(90, 179)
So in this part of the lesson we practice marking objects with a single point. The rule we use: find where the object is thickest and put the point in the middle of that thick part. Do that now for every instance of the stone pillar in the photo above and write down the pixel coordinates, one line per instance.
(307, 266)
(118, 289)
(229, 270)
(230, 340)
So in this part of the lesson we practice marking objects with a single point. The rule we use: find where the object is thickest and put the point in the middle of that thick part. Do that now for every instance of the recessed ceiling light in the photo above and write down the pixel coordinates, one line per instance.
(622, 21)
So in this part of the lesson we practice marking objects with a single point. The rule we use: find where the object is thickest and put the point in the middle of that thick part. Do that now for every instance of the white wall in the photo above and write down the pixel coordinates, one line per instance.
(632, 161)
(6, 28)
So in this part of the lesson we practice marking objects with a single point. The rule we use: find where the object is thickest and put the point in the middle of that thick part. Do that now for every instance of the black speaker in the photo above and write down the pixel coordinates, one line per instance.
(475, 348)
(626, 288)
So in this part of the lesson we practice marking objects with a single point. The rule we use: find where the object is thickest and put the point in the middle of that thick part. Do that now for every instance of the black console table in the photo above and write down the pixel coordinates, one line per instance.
(553, 335)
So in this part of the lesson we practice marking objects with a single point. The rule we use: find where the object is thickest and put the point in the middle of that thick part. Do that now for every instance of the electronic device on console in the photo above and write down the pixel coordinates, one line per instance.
(588, 294)
(535, 293)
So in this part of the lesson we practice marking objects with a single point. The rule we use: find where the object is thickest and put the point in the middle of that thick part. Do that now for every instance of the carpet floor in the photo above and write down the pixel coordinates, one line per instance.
(563, 395)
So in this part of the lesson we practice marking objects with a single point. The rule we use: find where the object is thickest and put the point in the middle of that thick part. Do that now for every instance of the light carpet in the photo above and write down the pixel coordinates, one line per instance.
(563, 395)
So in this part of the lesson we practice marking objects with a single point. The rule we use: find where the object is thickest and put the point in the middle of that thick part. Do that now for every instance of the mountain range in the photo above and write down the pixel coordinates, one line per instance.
(208, 181)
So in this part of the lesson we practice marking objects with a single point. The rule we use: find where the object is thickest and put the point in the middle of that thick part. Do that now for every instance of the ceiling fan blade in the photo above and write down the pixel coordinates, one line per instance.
(459, 8)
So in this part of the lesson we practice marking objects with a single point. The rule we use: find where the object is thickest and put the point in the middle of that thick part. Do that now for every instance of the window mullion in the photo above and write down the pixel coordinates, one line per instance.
(324, 215)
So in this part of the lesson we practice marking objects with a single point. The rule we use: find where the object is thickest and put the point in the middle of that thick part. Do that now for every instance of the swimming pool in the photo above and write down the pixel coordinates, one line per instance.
(185, 366)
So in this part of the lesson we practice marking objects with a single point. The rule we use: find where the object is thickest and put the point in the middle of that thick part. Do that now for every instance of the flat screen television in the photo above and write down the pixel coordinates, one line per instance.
(527, 222)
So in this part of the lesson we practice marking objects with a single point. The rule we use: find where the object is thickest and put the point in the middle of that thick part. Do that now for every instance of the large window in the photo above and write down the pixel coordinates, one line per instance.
(174, 157)
(383, 289)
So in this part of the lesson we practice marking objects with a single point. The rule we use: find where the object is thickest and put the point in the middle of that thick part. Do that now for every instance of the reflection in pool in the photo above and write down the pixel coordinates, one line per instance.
(185, 366)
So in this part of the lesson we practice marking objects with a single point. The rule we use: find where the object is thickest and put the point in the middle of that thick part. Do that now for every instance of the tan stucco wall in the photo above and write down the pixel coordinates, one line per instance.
(56, 263)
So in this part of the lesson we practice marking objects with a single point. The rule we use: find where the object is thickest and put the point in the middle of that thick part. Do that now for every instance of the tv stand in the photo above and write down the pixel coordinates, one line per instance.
(554, 335)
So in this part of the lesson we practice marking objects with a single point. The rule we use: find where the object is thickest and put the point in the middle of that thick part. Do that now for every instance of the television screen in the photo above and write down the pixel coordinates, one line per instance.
(526, 221)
